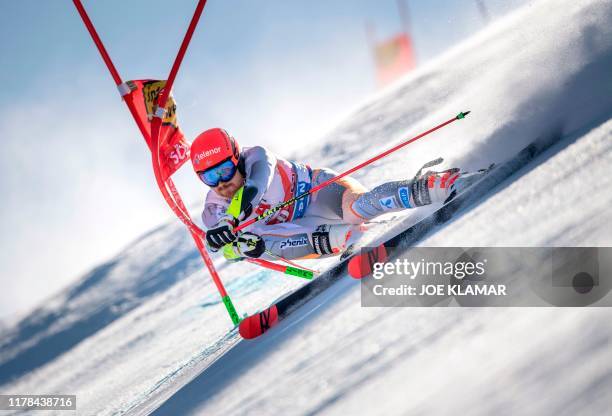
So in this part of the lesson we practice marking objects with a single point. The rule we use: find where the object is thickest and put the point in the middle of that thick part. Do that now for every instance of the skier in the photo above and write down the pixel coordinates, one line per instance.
(320, 225)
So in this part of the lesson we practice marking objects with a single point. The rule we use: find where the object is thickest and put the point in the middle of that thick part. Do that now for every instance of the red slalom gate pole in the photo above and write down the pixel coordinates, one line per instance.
(94, 35)
(163, 96)
(271, 211)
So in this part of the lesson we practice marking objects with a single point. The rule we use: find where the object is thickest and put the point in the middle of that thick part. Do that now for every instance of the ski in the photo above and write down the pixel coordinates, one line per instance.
(259, 323)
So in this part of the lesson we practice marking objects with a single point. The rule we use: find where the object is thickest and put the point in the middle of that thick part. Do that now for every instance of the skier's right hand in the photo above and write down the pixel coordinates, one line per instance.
(222, 233)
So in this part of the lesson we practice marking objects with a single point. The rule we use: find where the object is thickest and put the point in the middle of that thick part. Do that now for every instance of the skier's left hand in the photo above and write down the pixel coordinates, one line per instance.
(246, 245)
(251, 244)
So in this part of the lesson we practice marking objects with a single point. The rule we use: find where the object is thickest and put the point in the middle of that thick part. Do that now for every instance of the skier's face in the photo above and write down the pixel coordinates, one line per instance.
(229, 188)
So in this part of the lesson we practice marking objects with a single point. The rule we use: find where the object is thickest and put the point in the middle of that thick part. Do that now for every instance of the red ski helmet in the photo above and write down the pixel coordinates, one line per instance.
(213, 147)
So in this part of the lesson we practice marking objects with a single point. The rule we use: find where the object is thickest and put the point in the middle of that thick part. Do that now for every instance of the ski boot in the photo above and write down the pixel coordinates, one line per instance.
(432, 186)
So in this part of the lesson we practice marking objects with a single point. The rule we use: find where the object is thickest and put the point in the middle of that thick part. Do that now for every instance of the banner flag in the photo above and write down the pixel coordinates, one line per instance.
(174, 149)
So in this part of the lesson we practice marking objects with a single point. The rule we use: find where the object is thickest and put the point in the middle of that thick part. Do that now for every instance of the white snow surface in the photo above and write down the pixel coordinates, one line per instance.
(136, 329)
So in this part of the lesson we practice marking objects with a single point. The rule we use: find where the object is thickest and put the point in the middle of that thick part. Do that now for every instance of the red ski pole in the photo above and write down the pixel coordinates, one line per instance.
(280, 206)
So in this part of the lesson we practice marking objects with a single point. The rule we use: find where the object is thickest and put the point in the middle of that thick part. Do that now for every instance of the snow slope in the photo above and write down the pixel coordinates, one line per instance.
(138, 328)
(334, 357)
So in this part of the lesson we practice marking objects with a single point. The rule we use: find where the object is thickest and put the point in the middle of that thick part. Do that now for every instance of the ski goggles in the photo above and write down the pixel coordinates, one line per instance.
(222, 172)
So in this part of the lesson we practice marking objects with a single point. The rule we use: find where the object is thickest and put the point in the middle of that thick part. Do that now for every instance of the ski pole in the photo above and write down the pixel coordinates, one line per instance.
(290, 270)
(280, 206)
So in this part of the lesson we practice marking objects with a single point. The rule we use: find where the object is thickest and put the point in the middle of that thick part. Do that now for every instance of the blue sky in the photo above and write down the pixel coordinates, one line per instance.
(75, 173)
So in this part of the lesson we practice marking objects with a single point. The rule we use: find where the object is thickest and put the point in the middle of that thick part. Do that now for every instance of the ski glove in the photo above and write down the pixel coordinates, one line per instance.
(221, 234)
(246, 245)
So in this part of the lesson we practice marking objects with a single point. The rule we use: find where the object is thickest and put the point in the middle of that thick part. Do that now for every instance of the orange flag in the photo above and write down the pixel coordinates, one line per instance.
(394, 58)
